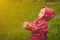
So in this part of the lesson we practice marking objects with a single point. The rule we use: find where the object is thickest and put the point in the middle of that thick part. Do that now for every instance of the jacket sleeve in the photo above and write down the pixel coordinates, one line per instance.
(31, 26)
(34, 27)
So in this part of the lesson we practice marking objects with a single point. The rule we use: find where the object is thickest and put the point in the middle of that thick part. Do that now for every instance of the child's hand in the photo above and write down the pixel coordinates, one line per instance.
(25, 24)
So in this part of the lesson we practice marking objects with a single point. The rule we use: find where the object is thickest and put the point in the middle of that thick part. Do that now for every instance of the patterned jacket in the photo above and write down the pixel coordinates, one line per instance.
(39, 30)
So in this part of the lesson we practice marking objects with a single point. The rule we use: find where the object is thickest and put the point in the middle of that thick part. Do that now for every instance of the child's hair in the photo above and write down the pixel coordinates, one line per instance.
(43, 6)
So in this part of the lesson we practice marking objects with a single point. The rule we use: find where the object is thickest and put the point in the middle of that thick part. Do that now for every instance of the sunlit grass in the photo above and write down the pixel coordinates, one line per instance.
(12, 15)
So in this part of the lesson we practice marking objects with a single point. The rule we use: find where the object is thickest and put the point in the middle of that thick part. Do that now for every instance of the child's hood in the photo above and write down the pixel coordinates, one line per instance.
(49, 14)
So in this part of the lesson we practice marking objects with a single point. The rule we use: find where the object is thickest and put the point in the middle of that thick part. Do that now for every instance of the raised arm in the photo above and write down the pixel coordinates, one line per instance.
(39, 26)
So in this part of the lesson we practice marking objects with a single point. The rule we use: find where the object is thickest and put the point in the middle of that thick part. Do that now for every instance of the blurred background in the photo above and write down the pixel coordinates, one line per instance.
(14, 12)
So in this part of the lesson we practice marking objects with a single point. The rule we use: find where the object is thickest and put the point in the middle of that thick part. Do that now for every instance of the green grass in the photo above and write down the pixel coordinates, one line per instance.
(55, 6)
(54, 27)
(14, 13)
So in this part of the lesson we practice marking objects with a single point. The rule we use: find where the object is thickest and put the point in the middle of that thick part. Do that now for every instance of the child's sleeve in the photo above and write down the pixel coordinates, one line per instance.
(34, 27)
(31, 26)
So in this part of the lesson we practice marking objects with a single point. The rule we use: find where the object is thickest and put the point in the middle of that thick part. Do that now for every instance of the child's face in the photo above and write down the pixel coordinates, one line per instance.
(41, 13)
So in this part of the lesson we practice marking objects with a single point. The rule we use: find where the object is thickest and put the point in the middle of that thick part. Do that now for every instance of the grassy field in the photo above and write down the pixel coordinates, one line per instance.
(14, 12)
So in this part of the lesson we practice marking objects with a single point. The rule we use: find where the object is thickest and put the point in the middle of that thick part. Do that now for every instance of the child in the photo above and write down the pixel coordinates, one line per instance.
(39, 27)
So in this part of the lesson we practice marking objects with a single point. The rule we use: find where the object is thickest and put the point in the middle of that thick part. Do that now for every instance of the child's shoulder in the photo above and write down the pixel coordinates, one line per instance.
(41, 23)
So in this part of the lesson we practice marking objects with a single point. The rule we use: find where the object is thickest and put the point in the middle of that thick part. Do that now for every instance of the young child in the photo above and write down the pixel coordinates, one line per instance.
(39, 27)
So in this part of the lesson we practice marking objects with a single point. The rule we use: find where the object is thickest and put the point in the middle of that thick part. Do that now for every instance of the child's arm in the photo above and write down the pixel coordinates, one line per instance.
(33, 27)
(28, 25)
